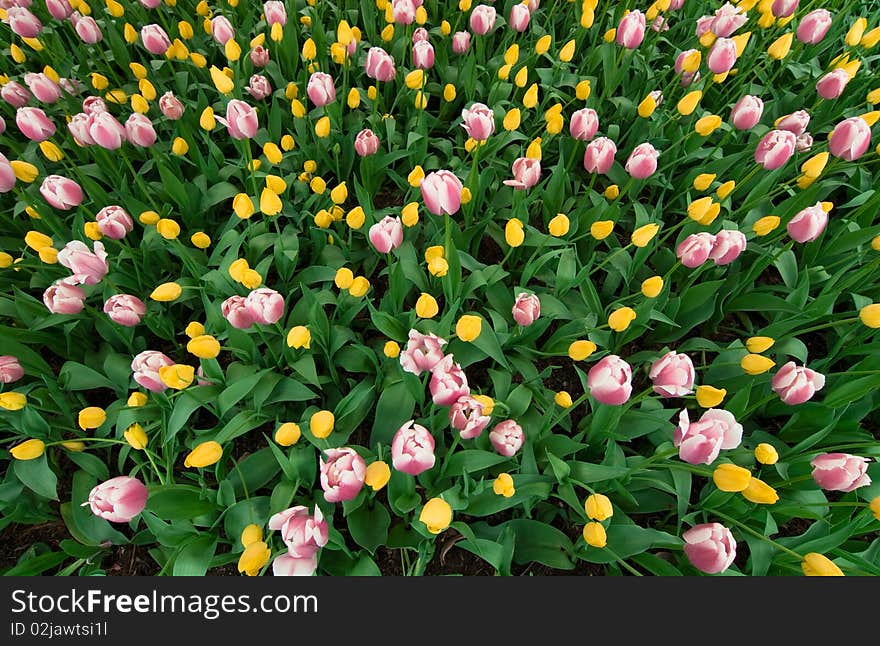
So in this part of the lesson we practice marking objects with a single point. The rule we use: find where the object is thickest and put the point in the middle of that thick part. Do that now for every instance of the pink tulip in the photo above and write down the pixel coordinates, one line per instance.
(796, 122)
(533, 5)
(832, 84)
(747, 112)
(114, 222)
(722, 56)
(259, 56)
(412, 449)
(94, 104)
(302, 533)
(784, 8)
(448, 382)
(236, 311)
(610, 380)
(386, 234)
(125, 309)
(686, 77)
(2, 125)
(150, 4)
(727, 20)
(59, 9)
(61, 193)
(808, 223)
(441, 192)
(675, 5)
(694, 250)
(466, 417)
(139, 130)
(404, 11)
(145, 367)
(419, 35)
(171, 106)
(366, 143)
(221, 29)
(775, 148)
(851, 139)
(71, 86)
(86, 28)
(660, 24)
(34, 124)
(266, 305)
(275, 12)
(584, 123)
(631, 30)
(729, 244)
(526, 173)
(520, 16)
(423, 55)
(118, 499)
(804, 142)
(64, 297)
(379, 65)
(287, 565)
(423, 352)
(259, 87)
(461, 42)
(672, 375)
(483, 19)
(23, 23)
(796, 384)
(10, 369)
(642, 162)
(7, 175)
(599, 155)
(507, 437)
(320, 89)
(478, 121)
(15, 94)
(106, 131)
(43, 88)
(526, 309)
(241, 120)
(155, 39)
(79, 128)
(87, 267)
(700, 442)
(342, 475)
(840, 471)
(709, 547)
(704, 25)
(814, 26)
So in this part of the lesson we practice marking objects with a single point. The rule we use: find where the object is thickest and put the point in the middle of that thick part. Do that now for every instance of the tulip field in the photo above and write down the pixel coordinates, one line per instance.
(436, 287)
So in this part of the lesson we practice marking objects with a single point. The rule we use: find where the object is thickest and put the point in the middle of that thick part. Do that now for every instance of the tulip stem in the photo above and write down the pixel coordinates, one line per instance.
(623, 563)
(756, 534)
(827, 325)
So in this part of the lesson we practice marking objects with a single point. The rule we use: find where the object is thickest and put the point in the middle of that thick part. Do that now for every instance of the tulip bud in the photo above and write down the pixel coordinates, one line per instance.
(563, 399)
(620, 319)
(875, 507)
(251, 534)
(644, 234)
(377, 475)
(359, 286)
(598, 507)
(29, 449)
(137, 399)
(755, 364)
(91, 417)
(760, 492)
(818, 565)
(709, 396)
(256, 554)
(594, 535)
(136, 437)
(513, 232)
(766, 454)
(177, 376)
(321, 423)
(766, 225)
(204, 455)
(870, 315)
(651, 287)
(759, 344)
(468, 327)
(204, 346)
(601, 229)
(426, 306)
(288, 434)
(391, 349)
(731, 478)
(688, 102)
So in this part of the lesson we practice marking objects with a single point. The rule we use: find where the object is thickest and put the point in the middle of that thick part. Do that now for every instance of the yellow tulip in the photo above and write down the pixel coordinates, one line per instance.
(468, 327)
(725, 189)
(449, 92)
(594, 535)
(29, 449)
(222, 82)
(651, 287)
(559, 225)
(567, 51)
(426, 306)
(766, 225)
(601, 229)
(177, 376)
(688, 102)
(530, 98)
(815, 564)
(251, 534)
(377, 475)
(513, 232)
(359, 286)
(204, 346)
(705, 126)
(321, 423)
(755, 364)
(766, 453)
(204, 455)
(270, 203)
(582, 90)
(855, 33)
(136, 437)
(91, 417)
(780, 47)
(647, 106)
(709, 396)
(731, 478)
(620, 319)
(168, 228)
(759, 344)
(581, 349)
(436, 515)
(391, 349)
(598, 507)
(503, 485)
(24, 171)
(760, 492)
(703, 181)
(563, 399)
(288, 434)
(299, 337)
(137, 399)
(870, 315)
(644, 234)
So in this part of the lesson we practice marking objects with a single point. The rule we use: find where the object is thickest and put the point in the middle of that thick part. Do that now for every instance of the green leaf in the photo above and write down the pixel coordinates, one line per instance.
(255, 471)
(178, 502)
(394, 408)
(37, 476)
(36, 565)
(627, 540)
(84, 526)
(194, 558)
(369, 527)
(473, 460)
(587, 473)
(536, 541)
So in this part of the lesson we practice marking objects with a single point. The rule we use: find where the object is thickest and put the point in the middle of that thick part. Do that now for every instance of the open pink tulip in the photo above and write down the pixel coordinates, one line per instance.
(387, 234)
(106, 131)
(125, 309)
(461, 42)
(118, 499)
(441, 192)
(303, 534)
(727, 20)
(114, 222)
(61, 193)
(808, 224)
(287, 565)
(851, 139)
(412, 449)
(320, 89)
(813, 27)
(483, 19)
(709, 547)
(241, 120)
(15, 94)
(610, 380)
(87, 267)
(138, 130)
(23, 23)
(526, 173)
(722, 56)
(259, 87)
(43, 88)
(265, 305)
(366, 143)
(171, 106)
(64, 297)
(642, 162)
(221, 29)
(728, 245)
(796, 122)
(155, 39)
(236, 311)
(423, 352)
(259, 56)
(840, 471)
(775, 148)
(694, 250)
(10, 369)
(599, 155)
(145, 367)
(584, 123)
(466, 417)
(796, 384)
(700, 442)
(34, 124)
(526, 309)
(507, 437)
(379, 65)
(631, 30)
(342, 474)
(747, 112)
(478, 121)
(672, 375)
(448, 382)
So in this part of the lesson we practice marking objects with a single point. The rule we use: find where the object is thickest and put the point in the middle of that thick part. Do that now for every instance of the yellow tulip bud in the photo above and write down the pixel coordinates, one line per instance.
(598, 507)
(251, 534)
(513, 232)
(449, 92)
(534, 149)
(270, 203)
(288, 434)
(5, 260)
(703, 181)
(731, 478)
(318, 185)
(609, 37)
(854, 35)
(563, 399)
(725, 189)
(699, 208)
(559, 225)
(875, 507)
(204, 455)
(815, 564)
(503, 485)
(567, 51)
(647, 106)
(530, 98)
(136, 437)
(652, 286)
(339, 193)
(137, 399)
(198, 60)
(759, 344)
(321, 423)
(415, 177)
(582, 90)
(486, 402)
(299, 337)
(512, 119)
(391, 349)
(377, 475)
(601, 229)
(415, 79)
(200, 240)
(594, 535)
(688, 102)
(91, 417)
(50, 151)
(251, 278)
(49, 255)
(36, 240)
(705, 126)
(204, 346)
(873, 97)
(588, 16)
(237, 269)
(29, 449)
(709, 396)
(24, 171)
(871, 38)
(445, 28)
(344, 277)
(222, 82)
(691, 62)
(760, 492)
(581, 349)
(426, 306)
(766, 225)
(359, 286)
(168, 228)
(130, 34)
(781, 46)
(468, 327)
(436, 515)
(870, 315)
(322, 127)
(644, 234)
(179, 146)
(766, 454)
(177, 376)
(755, 364)
(620, 319)
(612, 192)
